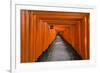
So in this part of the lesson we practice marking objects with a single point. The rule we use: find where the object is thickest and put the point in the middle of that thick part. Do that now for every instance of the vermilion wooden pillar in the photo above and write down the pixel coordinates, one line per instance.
(24, 36)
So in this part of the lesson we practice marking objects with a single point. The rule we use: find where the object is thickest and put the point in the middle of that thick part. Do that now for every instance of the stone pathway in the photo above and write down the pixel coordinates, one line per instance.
(60, 51)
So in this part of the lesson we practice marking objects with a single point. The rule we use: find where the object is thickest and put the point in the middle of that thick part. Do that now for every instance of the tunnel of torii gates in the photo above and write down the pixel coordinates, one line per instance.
(39, 29)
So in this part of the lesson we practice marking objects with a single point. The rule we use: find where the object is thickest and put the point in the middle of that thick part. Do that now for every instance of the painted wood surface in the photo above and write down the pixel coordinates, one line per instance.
(39, 29)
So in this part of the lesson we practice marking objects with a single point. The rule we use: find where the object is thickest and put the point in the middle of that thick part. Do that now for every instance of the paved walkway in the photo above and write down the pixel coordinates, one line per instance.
(59, 51)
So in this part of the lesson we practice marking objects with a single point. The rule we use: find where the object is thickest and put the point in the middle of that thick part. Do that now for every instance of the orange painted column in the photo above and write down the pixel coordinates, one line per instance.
(86, 37)
(67, 34)
(32, 46)
(24, 35)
